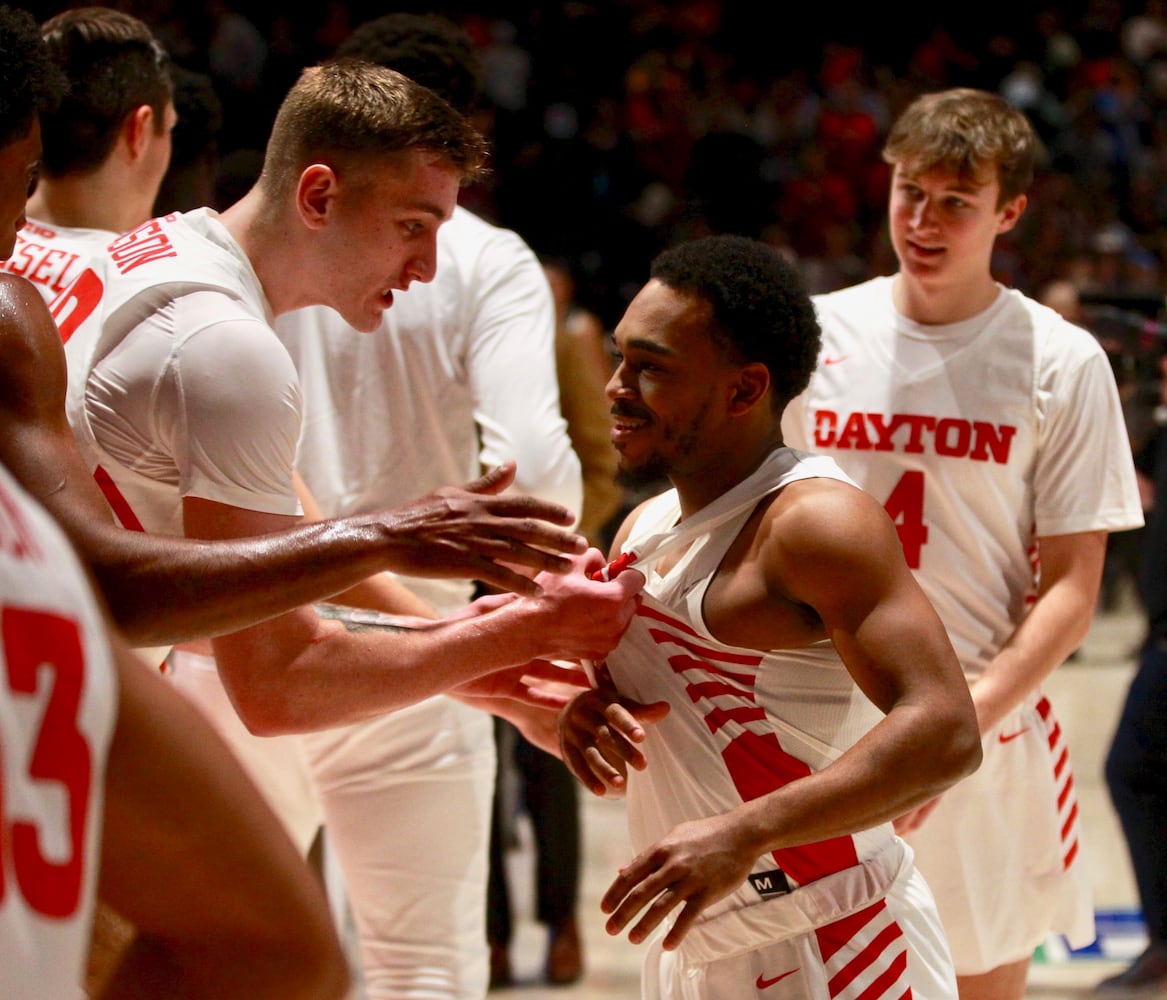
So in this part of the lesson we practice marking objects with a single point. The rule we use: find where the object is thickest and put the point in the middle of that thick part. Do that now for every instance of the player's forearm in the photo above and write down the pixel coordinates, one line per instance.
(914, 754)
(162, 589)
(1055, 627)
(158, 967)
(218, 897)
(305, 675)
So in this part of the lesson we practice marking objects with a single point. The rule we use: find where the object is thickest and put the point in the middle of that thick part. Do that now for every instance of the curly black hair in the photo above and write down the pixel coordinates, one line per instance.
(30, 84)
(428, 48)
(761, 308)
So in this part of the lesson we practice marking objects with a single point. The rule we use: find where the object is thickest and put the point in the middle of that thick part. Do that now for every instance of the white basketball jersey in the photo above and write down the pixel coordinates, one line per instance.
(743, 722)
(977, 437)
(165, 398)
(57, 713)
(51, 257)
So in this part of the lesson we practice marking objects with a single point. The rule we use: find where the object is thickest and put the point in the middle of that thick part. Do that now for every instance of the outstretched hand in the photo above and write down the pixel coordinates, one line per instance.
(600, 735)
(476, 532)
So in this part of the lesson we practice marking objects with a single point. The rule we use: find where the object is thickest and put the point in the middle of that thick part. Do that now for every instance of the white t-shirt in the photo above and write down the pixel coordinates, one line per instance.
(58, 695)
(978, 437)
(177, 384)
(460, 375)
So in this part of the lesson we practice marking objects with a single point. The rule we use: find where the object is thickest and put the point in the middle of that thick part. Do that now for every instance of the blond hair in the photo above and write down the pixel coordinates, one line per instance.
(353, 114)
(966, 130)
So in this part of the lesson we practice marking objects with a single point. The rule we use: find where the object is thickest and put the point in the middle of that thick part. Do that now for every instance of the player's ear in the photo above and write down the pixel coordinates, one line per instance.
(750, 386)
(136, 129)
(1011, 212)
(315, 194)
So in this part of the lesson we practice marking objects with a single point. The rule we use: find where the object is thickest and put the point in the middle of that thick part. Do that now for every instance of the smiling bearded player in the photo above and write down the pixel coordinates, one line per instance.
(812, 695)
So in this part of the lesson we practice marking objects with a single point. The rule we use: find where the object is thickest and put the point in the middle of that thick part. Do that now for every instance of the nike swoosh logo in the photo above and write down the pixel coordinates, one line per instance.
(835, 360)
(764, 984)
(1009, 737)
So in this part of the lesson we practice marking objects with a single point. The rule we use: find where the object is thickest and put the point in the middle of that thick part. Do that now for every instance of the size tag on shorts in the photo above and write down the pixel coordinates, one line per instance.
(771, 883)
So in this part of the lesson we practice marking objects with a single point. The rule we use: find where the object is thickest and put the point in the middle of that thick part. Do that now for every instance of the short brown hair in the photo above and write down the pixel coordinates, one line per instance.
(966, 130)
(114, 64)
(351, 113)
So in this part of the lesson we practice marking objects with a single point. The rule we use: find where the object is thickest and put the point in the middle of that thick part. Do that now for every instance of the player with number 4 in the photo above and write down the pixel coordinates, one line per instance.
(991, 430)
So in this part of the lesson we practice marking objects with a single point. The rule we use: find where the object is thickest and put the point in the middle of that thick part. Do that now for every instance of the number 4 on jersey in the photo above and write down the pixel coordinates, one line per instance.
(905, 506)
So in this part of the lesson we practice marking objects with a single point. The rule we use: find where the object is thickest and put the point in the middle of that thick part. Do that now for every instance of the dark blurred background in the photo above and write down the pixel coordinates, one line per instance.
(620, 127)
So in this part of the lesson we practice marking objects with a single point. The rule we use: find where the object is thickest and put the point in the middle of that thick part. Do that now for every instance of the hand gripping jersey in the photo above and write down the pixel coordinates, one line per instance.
(57, 712)
(977, 437)
(744, 723)
(52, 257)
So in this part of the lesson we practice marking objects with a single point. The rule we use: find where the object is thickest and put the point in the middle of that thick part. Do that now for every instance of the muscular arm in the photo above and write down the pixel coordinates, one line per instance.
(381, 592)
(221, 902)
(896, 649)
(162, 589)
(1071, 570)
(299, 672)
(832, 549)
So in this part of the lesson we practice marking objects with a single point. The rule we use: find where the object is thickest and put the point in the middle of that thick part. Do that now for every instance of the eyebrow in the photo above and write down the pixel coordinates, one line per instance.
(649, 346)
(963, 186)
(429, 208)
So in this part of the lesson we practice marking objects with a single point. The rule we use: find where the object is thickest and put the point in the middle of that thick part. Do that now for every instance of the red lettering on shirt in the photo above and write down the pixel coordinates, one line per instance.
(914, 434)
(141, 246)
(49, 266)
(44, 661)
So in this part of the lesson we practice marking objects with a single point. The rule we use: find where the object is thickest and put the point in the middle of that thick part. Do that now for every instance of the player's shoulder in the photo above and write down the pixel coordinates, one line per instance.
(844, 299)
(1056, 339)
(25, 323)
(823, 517)
(471, 241)
(17, 292)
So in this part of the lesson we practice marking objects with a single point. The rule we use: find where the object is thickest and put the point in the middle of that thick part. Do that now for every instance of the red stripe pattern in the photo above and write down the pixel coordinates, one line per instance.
(865, 957)
(721, 685)
(119, 504)
(1063, 775)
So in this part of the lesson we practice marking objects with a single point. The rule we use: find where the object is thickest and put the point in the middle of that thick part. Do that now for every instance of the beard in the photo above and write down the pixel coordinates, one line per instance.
(654, 470)
(655, 467)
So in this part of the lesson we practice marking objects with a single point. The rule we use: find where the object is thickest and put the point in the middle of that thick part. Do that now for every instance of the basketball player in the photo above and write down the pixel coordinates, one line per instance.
(183, 398)
(459, 375)
(164, 589)
(102, 769)
(106, 145)
(811, 693)
(990, 429)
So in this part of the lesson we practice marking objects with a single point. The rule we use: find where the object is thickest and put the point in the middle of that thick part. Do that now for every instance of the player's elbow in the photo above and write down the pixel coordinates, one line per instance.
(268, 709)
(957, 748)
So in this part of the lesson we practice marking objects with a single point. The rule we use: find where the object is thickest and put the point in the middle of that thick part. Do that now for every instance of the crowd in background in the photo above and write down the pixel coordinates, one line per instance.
(621, 126)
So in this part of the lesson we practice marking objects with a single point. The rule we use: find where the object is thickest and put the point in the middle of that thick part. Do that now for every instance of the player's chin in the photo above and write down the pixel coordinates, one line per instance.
(367, 320)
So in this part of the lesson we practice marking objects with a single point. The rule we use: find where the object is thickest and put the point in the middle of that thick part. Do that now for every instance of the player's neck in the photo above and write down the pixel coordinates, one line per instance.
(938, 303)
(699, 484)
(88, 202)
(271, 247)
